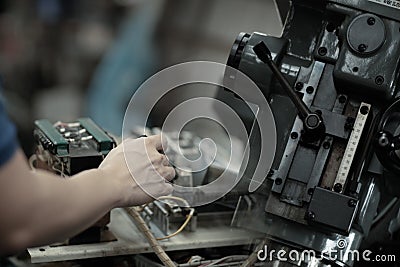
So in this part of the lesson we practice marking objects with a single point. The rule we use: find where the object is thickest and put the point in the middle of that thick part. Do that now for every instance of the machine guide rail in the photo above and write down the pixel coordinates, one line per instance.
(298, 195)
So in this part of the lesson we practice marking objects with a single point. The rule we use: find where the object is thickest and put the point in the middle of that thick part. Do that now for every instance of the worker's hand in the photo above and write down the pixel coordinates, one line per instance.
(139, 171)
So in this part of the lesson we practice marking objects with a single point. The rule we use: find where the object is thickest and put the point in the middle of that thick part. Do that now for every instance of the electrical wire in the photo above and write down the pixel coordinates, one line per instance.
(142, 226)
(188, 218)
(186, 222)
(231, 257)
(253, 257)
(134, 212)
(194, 259)
(186, 204)
(32, 160)
(175, 198)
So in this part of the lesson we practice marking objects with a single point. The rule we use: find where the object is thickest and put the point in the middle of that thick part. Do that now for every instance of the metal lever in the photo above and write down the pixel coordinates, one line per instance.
(313, 123)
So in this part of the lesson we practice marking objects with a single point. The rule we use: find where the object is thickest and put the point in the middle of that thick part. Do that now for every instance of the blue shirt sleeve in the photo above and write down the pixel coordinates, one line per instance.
(8, 138)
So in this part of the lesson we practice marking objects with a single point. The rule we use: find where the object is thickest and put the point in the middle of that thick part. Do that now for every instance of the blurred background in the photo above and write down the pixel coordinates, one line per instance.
(63, 59)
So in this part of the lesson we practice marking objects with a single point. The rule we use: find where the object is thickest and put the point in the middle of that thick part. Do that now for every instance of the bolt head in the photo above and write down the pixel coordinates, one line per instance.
(338, 188)
(362, 48)
(322, 51)
(313, 120)
(371, 21)
(299, 86)
(379, 80)
(310, 216)
(352, 203)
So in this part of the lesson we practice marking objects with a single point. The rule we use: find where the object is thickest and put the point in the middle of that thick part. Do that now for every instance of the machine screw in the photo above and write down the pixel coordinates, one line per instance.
(337, 188)
(352, 203)
(322, 51)
(342, 99)
(371, 21)
(310, 90)
(310, 216)
(364, 110)
(379, 80)
(294, 135)
(326, 145)
(310, 191)
(362, 48)
(278, 181)
(299, 86)
(383, 140)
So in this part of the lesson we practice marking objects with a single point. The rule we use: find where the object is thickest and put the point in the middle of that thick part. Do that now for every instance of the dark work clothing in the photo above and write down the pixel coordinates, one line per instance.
(8, 138)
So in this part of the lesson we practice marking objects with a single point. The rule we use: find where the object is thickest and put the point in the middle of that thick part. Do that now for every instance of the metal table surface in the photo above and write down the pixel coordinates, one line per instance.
(130, 241)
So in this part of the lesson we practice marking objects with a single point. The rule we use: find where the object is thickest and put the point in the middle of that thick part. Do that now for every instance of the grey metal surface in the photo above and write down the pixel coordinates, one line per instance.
(318, 168)
(289, 232)
(373, 6)
(333, 210)
(292, 143)
(130, 241)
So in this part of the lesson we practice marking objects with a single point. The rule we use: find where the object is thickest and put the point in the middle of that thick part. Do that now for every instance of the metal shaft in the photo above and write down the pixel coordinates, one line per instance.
(265, 56)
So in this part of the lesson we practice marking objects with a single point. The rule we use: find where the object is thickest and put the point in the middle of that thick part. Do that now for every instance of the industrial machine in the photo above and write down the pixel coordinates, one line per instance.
(332, 83)
(69, 148)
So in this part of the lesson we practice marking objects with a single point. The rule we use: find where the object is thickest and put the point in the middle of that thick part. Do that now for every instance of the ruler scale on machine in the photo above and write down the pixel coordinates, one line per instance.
(351, 148)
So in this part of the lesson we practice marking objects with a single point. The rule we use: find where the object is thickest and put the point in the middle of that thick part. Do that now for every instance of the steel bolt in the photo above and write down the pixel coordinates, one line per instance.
(310, 215)
(352, 203)
(299, 86)
(322, 51)
(379, 80)
(342, 99)
(383, 140)
(310, 191)
(362, 48)
(326, 145)
(338, 188)
(371, 21)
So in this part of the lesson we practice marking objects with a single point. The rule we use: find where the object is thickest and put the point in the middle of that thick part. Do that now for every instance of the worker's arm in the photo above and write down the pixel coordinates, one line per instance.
(39, 207)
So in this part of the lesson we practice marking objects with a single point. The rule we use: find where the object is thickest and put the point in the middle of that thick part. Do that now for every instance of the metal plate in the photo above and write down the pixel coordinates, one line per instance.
(131, 241)
(389, 3)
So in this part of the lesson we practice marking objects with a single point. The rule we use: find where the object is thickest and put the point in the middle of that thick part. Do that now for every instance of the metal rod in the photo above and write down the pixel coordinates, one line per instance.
(265, 56)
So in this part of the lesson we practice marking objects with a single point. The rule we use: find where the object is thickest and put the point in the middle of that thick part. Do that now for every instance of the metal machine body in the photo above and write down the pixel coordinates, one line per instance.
(342, 59)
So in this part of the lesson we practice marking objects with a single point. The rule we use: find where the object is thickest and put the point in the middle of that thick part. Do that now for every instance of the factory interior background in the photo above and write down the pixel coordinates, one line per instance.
(64, 59)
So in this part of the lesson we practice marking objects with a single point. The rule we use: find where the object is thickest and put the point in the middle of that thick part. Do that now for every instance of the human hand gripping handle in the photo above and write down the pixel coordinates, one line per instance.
(140, 173)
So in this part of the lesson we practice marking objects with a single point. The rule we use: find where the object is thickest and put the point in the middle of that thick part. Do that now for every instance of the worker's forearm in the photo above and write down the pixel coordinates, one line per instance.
(47, 208)
(39, 208)
(86, 197)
